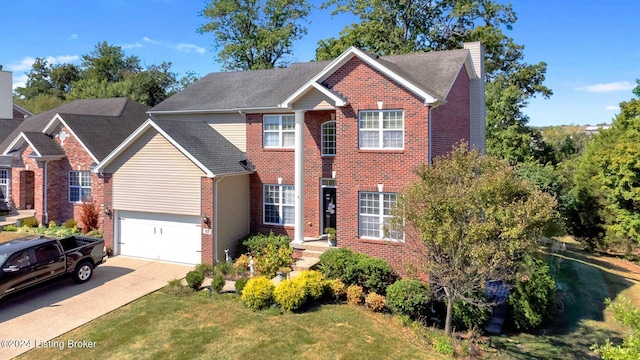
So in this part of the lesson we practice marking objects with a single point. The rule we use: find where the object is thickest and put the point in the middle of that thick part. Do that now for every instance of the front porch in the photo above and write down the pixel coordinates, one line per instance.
(307, 253)
(15, 218)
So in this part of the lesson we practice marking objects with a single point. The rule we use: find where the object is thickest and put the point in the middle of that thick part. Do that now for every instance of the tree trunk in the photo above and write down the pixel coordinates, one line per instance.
(449, 318)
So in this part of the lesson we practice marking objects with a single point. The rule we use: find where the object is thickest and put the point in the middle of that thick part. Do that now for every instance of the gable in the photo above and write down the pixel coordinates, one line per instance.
(313, 100)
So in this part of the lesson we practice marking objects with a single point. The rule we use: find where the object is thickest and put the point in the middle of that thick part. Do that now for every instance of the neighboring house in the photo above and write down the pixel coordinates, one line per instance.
(291, 150)
(48, 158)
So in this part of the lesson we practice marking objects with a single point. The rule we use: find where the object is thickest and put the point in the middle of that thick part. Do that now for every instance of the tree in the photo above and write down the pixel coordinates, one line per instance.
(399, 27)
(625, 313)
(471, 219)
(108, 62)
(252, 34)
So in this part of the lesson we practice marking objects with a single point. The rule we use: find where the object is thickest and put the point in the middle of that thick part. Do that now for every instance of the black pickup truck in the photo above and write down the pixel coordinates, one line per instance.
(29, 261)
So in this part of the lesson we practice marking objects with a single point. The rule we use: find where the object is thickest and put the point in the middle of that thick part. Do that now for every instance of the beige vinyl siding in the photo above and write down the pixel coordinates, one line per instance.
(313, 100)
(231, 126)
(233, 212)
(153, 176)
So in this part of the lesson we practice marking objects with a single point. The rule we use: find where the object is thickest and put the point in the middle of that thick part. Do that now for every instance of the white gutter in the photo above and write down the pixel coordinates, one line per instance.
(162, 112)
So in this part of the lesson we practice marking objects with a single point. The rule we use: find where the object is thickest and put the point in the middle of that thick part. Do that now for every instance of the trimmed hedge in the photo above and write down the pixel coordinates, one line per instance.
(290, 294)
(409, 297)
(258, 293)
(195, 279)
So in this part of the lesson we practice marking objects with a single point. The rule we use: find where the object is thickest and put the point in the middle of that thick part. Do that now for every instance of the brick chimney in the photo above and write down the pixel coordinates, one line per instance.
(478, 109)
(6, 97)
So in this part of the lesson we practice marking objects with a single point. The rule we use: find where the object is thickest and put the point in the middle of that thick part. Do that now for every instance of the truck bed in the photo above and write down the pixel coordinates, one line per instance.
(72, 243)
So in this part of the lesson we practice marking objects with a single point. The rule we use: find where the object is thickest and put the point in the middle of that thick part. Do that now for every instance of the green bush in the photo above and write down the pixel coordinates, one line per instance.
(354, 294)
(313, 283)
(273, 259)
(443, 346)
(375, 302)
(205, 269)
(52, 224)
(70, 224)
(290, 294)
(533, 299)
(373, 274)
(409, 297)
(256, 244)
(93, 233)
(334, 262)
(240, 284)
(217, 283)
(194, 279)
(10, 227)
(258, 293)
(467, 316)
(30, 222)
(224, 268)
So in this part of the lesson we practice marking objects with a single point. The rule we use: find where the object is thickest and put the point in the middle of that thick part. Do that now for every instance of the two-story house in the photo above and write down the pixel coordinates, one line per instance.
(292, 150)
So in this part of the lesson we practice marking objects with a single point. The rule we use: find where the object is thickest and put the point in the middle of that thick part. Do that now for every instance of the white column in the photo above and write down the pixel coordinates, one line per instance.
(298, 237)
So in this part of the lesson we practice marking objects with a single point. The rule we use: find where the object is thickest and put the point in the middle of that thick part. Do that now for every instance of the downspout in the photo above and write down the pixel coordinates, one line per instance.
(430, 135)
(45, 195)
(215, 218)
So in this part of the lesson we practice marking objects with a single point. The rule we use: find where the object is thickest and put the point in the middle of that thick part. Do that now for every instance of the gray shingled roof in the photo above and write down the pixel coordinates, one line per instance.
(206, 145)
(101, 124)
(7, 126)
(433, 72)
(44, 144)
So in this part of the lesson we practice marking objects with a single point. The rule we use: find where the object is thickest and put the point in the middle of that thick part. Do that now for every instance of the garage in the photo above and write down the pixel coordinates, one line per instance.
(166, 237)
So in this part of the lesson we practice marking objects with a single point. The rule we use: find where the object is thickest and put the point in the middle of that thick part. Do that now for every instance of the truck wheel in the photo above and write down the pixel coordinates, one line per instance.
(83, 272)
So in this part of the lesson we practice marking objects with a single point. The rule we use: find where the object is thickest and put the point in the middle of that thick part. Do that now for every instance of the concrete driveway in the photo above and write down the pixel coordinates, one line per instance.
(48, 311)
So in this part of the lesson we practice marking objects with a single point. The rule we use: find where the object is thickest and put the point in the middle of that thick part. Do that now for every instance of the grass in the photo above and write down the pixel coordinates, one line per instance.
(9, 235)
(161, 326)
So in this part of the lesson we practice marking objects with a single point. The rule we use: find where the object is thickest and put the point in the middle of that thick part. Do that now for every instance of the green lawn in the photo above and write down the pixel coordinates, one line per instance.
(161, 326)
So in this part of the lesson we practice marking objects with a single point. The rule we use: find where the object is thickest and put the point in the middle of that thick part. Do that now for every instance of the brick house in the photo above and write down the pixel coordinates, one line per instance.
(46, 162)
(292, 150)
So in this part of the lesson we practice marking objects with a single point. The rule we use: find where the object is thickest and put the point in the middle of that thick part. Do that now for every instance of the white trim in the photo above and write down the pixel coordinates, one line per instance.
(280, 205)
(288, 102)
(280, 132)
(214, 111)
(82, 188)
(380, 216)
(322, 135)
(148, 124)
(58, 119)
(16, 143)
(380, 130)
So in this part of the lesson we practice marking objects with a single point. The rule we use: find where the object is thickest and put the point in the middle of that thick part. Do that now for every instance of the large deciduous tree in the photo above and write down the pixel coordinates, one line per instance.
(471, 219)
(255, 34)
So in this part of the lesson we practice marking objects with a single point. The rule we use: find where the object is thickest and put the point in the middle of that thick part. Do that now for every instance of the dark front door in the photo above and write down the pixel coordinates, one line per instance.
(329, 207)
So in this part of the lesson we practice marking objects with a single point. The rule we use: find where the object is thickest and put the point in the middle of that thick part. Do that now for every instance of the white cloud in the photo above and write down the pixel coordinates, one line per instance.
(20, 81)
(612, 107)
(24, 64)
(131, 46)
(608, 87)
(62, 59)
(149, 40)
(74, 36)
(190, 47)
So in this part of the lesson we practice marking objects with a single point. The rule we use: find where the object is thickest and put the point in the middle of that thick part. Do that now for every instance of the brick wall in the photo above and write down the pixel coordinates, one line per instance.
(451, 121)
(207, 208)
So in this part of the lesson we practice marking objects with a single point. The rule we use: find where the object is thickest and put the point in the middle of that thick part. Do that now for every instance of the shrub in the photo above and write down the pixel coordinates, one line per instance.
(443, 346)
(532, 301)
(242, 262)
(408, 297)
(273, 259)
(70, 224)
(373, 274)
(93, 233)
(205, 269)
(467, 316)
(338, 289)
(240, 284)
(52, 224)
(90, 216)
(175, 288)
(375, 302)
(224, 268)
(354, 294)
(10, 227)
(258, 293)
(334, 262)
(290, 294)
(256, 244)
(217, 283)
(313, 283)
(194, 279)
(30, 222)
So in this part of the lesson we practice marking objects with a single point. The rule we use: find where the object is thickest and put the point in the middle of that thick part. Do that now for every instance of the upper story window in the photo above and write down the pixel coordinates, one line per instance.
(375, 214)
(329, 138)
(278, 131)
(5, 180)
(279, 207)
(79, 186)
(381, 129)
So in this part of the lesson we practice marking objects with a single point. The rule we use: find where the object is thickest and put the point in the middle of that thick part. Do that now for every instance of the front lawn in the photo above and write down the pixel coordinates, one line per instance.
(9, 235)
(161, 326)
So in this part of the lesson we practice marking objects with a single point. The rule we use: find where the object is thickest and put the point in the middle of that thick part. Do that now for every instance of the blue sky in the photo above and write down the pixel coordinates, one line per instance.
(592, 48)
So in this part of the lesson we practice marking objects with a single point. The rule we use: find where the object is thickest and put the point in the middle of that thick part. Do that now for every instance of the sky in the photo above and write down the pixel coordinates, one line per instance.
(591, 48)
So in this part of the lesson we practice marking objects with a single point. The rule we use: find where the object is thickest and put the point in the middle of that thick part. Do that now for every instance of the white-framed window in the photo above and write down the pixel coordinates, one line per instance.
(79, 186)
(5, 180)
(278, 131)
(329, 138)
(381, 129)
(279, 206)
(375, 216)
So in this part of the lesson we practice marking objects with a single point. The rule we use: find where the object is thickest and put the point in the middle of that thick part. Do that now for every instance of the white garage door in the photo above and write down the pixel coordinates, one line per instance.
(165, 237)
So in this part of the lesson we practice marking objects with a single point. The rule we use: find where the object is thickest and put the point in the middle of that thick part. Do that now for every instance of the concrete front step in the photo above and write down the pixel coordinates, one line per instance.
(312, 253)
(305, 263)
